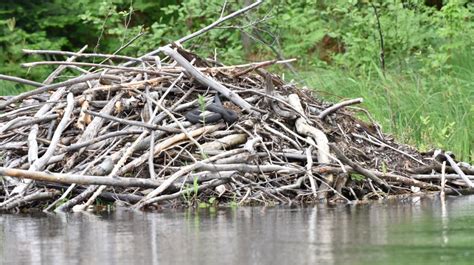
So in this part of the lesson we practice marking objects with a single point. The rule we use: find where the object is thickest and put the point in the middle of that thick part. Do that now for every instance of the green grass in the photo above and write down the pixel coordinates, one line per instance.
(428, 111)
(9, 88)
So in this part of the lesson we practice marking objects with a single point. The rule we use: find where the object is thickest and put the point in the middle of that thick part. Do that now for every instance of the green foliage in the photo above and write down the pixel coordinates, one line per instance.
(357, 177)
(202, 103)
(105, 26)
(211, 204)
(430, 111)
(413, 33)
(9, 88)
(190, 195)
(195, 186)
(234, 204)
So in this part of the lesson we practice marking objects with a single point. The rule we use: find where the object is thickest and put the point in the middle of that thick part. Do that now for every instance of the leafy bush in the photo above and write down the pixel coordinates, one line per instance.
(414, 34)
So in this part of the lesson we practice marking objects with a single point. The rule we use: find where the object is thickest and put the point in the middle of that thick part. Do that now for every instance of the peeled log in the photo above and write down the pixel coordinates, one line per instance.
(225, 142)
(302, 127)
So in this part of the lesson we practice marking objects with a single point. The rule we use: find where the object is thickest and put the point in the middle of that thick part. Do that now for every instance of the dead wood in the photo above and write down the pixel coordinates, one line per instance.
(121, 133)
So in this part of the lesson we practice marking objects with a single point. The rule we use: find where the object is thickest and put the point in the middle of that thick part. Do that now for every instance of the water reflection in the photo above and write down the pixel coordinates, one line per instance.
(413, 231)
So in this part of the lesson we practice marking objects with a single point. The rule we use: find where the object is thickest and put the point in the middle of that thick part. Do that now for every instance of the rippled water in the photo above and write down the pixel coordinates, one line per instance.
(417, 231)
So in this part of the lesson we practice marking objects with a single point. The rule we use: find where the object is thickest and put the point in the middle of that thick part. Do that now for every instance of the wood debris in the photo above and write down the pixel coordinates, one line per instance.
(118, 132)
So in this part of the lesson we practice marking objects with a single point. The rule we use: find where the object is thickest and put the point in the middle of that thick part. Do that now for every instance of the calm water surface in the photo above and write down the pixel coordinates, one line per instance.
(417, 231)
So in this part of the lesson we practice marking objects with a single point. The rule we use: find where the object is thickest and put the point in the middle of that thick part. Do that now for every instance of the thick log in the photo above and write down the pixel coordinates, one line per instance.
(114, 181)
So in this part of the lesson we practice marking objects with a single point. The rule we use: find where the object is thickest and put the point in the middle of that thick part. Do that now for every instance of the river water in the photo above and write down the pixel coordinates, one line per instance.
(414, 231)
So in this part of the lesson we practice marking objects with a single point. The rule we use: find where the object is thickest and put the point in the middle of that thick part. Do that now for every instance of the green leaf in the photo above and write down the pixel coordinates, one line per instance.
(195, 186)
(203, 205)
(357, 177)
(212, 200)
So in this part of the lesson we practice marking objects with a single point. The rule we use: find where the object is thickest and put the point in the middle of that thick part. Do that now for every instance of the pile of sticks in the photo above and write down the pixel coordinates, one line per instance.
(118, 132)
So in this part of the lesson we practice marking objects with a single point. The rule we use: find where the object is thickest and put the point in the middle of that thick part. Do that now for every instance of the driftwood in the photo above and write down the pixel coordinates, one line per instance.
(120, 133)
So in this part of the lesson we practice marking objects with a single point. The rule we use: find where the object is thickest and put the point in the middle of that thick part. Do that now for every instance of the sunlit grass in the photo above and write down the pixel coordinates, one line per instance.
(9, 88)
(434, 111)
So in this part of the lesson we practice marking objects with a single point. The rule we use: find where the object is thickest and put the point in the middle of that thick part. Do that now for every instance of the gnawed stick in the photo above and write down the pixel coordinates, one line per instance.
(33, 134)
(357, 167)
(61, 68)
(436, 166)
(181, 172)
(225, 142)
(204, 186)
(37, 196)
(131, 69)
(92, 130)
(166, 144)
(46, 88)
(305, 129)
(127, 151)
(312, 143)
(206, 80)
(77, 146)
(388, 176)
(339, 105)
(86, 55)
(249, 168)
(459, 171)
(438, 176)
(114, 181)
(309, 172)
(20, 80)
(41, 162)
(27, 121)
(133, 123)
(320, 139)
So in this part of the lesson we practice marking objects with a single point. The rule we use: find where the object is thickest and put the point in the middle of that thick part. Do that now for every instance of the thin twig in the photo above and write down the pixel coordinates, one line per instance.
(138, 70)
(339, 105)
(379, 29)
(86, 55)
(20, 80)
(209, 27)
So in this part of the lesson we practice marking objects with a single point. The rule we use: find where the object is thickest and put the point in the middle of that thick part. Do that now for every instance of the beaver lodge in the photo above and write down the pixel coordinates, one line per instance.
(179, 129)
